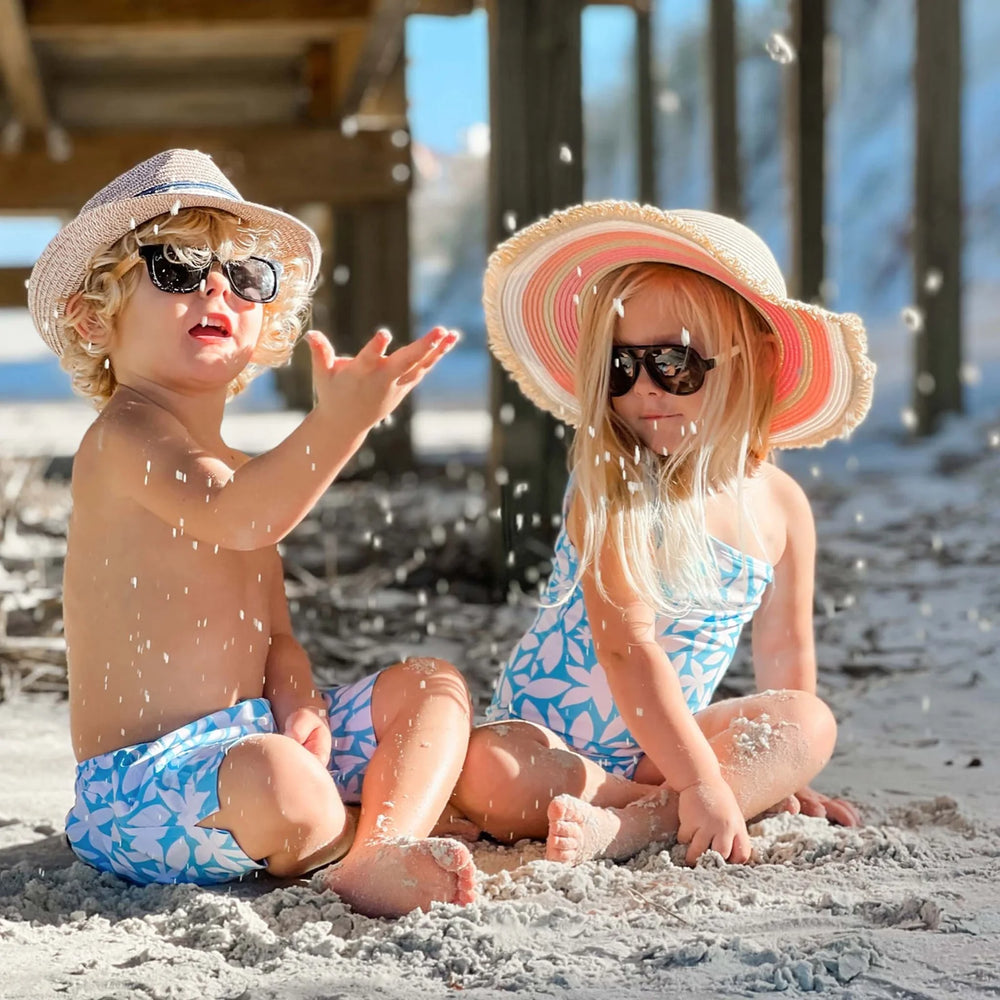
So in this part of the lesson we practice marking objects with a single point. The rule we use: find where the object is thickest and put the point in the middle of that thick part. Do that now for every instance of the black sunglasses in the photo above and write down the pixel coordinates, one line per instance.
(675, 368)
(254, 279)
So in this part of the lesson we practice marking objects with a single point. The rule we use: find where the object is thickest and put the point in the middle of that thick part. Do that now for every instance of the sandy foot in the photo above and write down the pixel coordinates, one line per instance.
(388, 878)
(580, 832)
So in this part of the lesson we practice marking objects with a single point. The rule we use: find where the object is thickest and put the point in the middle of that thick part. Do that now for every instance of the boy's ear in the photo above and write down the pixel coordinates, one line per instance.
(85, 323)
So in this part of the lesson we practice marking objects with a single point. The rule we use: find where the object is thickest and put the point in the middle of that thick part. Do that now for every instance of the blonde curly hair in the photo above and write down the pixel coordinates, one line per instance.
(194, 234)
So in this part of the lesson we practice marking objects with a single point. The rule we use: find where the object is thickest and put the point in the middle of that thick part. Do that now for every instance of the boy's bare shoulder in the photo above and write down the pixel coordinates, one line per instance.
(127, 430)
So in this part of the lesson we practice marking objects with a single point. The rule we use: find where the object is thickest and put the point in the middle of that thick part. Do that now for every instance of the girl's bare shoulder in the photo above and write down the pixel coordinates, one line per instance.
(778, 487)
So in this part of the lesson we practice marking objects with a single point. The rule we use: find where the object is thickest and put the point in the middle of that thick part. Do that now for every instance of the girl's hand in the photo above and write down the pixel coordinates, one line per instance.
(710, 818)
(306, 727)
(809, 802)
(367, 388)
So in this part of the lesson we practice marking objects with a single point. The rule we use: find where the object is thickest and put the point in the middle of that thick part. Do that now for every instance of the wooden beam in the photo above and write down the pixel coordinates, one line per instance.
(444, 8)
(806, 148)
(54, 19)
(726, 197)
(19, 69)
(378, 57)
(86, 104)
(937, 212)
(13, 291)
(276, 166)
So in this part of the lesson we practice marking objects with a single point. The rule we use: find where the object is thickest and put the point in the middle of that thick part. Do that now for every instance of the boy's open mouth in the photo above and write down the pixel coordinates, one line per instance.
(210, 329)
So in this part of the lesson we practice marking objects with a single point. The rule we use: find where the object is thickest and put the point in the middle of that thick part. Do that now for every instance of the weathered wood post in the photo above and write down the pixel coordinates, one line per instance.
(937, 212)
(726, 195)
(646, 119)
(536, 116)
(806, 148)
(371, 289)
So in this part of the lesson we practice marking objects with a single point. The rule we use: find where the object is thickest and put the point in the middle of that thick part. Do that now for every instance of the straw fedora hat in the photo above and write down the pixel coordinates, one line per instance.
(175, 179)
(536, 279)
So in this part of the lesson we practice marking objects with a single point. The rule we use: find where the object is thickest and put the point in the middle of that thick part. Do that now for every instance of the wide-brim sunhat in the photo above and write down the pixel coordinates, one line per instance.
(167, 182)
(535, 284)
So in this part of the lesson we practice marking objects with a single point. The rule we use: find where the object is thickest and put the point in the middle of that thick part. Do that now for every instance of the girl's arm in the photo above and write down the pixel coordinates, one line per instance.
(784, 653)
(647, 693)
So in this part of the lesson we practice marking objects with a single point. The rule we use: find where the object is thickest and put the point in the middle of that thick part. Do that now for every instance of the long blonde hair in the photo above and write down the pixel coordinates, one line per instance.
(194, 234)
(652, 507)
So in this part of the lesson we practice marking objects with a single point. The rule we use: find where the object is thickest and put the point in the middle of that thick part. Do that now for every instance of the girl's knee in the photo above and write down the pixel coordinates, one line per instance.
(815, 721)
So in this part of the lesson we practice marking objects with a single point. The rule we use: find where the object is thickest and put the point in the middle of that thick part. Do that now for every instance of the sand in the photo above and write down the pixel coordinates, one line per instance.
(906, 906)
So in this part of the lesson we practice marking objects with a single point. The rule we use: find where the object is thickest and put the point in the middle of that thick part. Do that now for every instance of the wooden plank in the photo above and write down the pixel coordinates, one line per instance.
(13, 291)
(444, 8)
(328, 167)
(48, 19)
(87, 105)
(378, 57)
(19, 69)
(726, 196)
(536, 166)
(806, 148)
(937, 211)
(646, 119)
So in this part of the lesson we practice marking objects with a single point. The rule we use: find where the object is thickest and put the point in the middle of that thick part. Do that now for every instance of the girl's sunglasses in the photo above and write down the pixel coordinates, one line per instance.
(254, 279)
(674, 368)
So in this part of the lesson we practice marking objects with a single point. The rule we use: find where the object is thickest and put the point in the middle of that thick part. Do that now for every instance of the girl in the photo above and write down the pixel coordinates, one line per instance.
(669, 341)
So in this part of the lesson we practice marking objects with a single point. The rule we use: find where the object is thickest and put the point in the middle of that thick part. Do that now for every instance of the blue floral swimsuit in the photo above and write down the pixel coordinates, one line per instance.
(553, 677)
(137, 809)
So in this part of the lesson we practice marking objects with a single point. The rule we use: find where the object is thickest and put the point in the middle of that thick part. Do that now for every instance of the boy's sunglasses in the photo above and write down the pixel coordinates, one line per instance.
(254, 279)
(675, 368)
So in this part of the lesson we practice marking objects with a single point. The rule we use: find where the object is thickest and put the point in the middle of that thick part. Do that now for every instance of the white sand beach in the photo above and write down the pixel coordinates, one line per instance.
(908, 623)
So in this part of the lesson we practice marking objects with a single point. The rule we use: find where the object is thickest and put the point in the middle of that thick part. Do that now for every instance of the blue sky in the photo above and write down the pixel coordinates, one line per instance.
(448, 72)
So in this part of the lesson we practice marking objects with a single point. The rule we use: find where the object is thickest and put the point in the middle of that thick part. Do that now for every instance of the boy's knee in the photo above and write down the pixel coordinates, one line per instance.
(418, 678)
(282, 791)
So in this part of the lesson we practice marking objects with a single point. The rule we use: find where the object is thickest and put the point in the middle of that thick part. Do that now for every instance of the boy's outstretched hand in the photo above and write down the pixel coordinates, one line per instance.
(369, 386)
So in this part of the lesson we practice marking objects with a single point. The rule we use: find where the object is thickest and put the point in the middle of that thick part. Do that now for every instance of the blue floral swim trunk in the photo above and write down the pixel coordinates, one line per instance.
(137, 809)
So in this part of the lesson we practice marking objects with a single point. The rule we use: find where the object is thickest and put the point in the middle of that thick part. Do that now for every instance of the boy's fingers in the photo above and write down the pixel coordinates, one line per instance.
(429, 358)
(375, 348)
(321, 348)
(411, 355)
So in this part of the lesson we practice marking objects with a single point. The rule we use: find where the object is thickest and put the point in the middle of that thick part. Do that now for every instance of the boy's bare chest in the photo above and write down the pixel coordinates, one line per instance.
(160, 576)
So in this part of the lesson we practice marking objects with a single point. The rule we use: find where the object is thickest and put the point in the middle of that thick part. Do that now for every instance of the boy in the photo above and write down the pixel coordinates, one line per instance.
(204, 750)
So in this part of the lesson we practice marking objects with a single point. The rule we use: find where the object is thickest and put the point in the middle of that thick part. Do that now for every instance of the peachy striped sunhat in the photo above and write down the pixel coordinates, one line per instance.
(535, 282)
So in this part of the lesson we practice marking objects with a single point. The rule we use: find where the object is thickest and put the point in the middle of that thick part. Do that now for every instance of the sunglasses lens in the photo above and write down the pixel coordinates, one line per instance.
(253, 279)
(624, 369)
(171, 276)
(679, 372)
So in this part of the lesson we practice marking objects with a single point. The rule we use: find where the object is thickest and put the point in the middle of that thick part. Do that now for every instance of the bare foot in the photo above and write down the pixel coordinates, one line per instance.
(452, 823)
(387, 878)
(580, 832)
